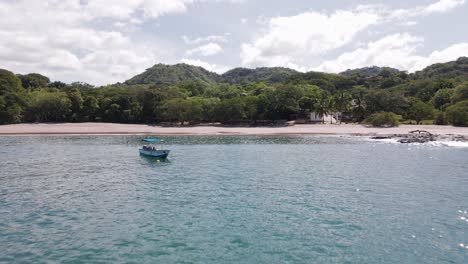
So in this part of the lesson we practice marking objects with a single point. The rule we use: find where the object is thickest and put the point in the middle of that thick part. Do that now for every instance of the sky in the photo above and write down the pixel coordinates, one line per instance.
(106, 41)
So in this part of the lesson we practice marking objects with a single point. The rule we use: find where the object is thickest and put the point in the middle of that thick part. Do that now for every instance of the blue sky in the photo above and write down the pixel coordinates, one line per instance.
(106, 41)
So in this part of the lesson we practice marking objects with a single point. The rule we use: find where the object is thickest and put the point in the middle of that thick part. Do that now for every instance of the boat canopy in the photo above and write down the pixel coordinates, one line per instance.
(152, 140)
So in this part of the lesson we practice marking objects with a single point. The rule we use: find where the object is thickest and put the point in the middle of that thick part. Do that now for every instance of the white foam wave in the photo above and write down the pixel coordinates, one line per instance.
(441, 143)
(453, 144)
(458, 144)
(385, 140)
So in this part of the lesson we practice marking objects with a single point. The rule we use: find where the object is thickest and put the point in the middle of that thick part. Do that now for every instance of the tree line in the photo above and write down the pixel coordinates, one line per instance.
(34, 98)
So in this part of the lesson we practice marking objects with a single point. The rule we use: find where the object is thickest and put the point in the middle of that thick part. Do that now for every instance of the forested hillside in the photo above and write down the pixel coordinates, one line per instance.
(243, 76)
(370, 71)
(452, 70)
(189, 94)
(166, 75)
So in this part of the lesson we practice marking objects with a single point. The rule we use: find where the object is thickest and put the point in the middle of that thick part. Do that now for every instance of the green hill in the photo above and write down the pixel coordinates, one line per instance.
(241, 76)
(167, 75)
(370, 71)
(453, 69)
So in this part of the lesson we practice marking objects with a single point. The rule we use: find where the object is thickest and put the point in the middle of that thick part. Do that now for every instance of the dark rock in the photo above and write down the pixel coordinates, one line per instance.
(414, 140)
(381, 137)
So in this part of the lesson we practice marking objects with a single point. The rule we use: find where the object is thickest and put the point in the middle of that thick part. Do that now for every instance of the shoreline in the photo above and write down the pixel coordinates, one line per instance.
(108, 129)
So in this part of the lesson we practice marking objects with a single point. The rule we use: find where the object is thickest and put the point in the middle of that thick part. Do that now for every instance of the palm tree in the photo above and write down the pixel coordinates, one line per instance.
(342, 101)
(324, 107)
(331, 106)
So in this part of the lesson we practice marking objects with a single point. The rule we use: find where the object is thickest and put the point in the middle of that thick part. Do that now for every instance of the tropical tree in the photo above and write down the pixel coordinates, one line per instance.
(442, 98)
(306, 104)
(113, 112)
(324, 107)
(251, 108)
(385, 101)
(10, 110)
(419, 111)
(182, 110)
(132, 112)
(48, 106)
(34, 80)
(196, 88)
(342, 101)
(232, 109)
(457, 114)
(358, 94)
(461, 92)
(9, 82)
(76, 103)
(90, 108)
(208, 108)
(383, 119)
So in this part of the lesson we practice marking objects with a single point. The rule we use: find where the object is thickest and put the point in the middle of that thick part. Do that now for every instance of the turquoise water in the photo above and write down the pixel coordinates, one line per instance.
(232, 200)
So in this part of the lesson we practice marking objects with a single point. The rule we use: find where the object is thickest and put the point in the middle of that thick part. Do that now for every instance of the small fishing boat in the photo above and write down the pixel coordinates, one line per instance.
(152, 151)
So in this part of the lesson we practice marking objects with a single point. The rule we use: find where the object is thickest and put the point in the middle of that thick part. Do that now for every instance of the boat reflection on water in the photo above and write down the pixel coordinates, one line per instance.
(155, 160)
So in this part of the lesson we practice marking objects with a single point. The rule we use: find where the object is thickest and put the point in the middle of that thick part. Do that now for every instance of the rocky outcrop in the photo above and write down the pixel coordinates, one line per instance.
(421, 136)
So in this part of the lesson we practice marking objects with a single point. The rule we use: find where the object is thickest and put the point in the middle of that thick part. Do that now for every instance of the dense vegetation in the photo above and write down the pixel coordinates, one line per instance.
(167, 75)
(189, 94)
(383, 119)
(243, 76)
(370, 71)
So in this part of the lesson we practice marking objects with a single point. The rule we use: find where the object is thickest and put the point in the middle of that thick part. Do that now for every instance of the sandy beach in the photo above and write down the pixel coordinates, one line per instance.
(135, 129)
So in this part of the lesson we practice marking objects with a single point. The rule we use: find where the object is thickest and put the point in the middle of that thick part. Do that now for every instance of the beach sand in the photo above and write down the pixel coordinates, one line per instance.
(135, 129)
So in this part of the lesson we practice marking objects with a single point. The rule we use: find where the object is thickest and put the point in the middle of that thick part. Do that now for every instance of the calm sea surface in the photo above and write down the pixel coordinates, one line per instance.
(232, 200)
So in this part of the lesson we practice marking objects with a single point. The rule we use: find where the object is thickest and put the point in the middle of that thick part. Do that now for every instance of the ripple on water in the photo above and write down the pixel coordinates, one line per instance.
(231, 200)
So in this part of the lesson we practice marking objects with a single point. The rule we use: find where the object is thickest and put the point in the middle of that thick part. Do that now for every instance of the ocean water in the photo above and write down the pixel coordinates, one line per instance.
(225, 199)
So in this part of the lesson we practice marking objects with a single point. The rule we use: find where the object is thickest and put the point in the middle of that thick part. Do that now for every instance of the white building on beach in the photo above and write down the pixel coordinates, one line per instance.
(330, 118)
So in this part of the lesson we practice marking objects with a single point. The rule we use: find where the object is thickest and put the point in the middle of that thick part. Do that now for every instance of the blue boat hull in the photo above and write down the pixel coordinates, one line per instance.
(155, 153)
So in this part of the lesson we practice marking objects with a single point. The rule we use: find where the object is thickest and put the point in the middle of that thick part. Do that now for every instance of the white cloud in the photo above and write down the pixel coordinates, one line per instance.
(398, 51)
(96, 40)
(443, 6)
(310, 33)
(211, 38)
(440, 6)
(409, 23)
(451, 53)
(210, 67)
(70, 40)
(59, 38)
(394, 51)
(206, 50)
(288, 40)
(262, 20)
(155, 8)
(129, 25)
(55, 38)
(126, 9)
